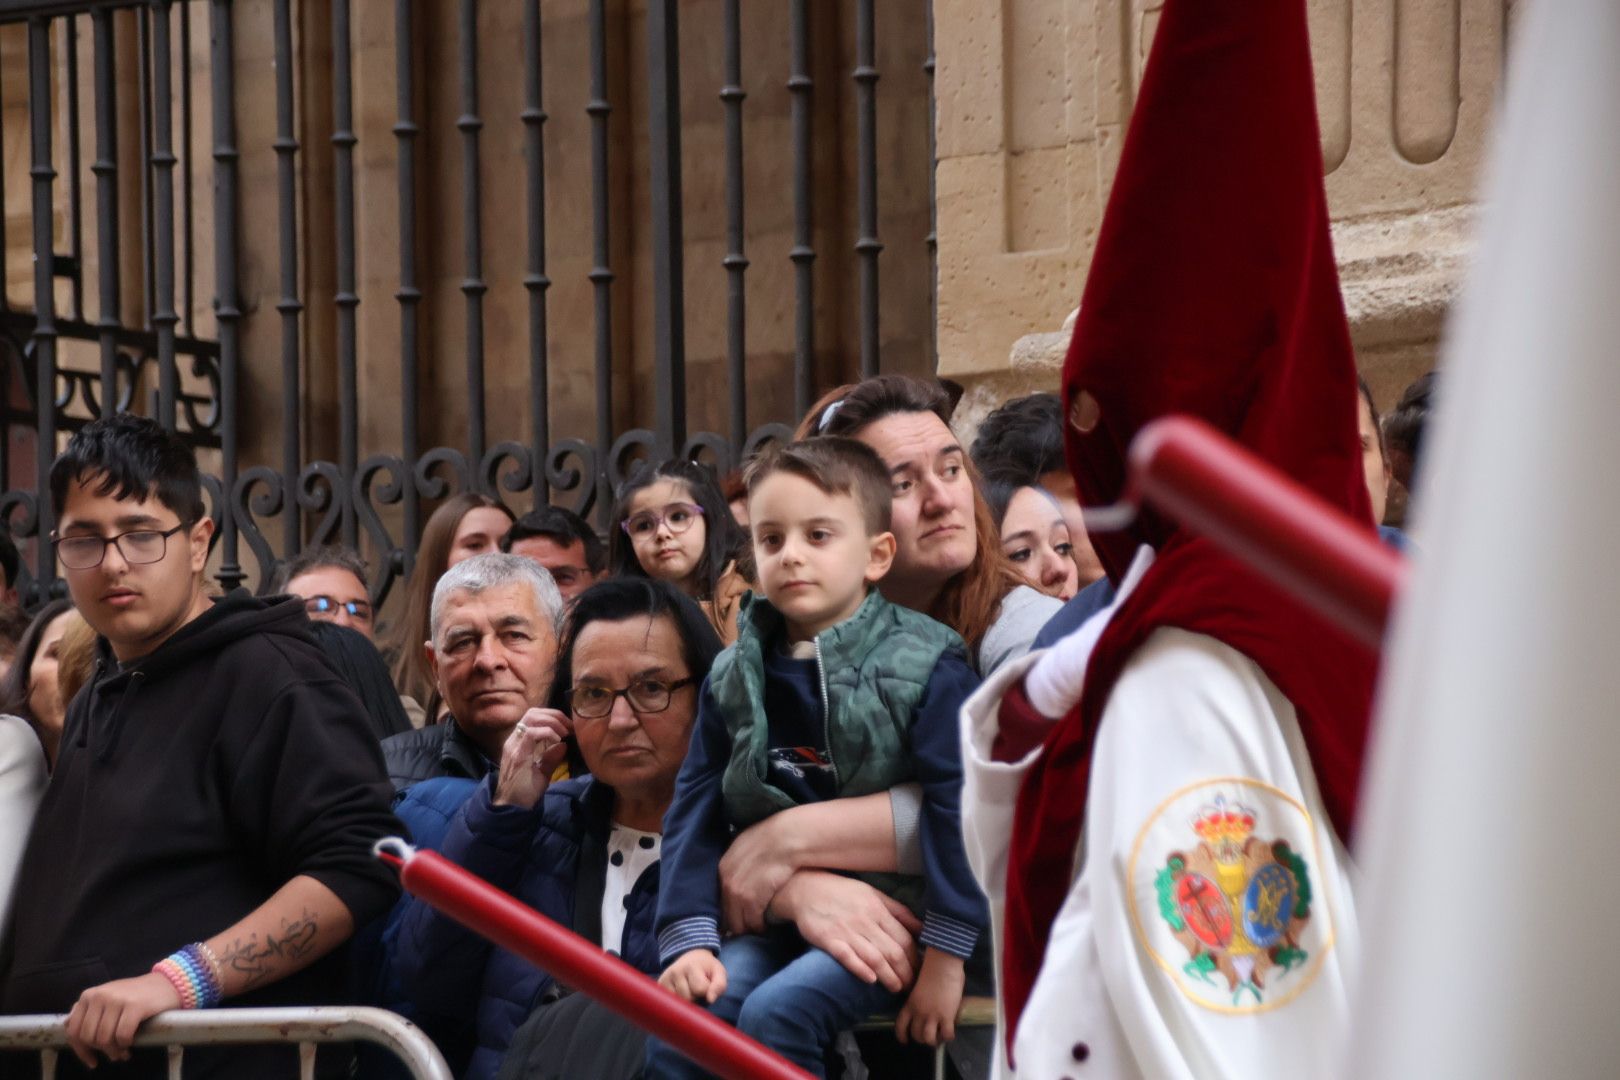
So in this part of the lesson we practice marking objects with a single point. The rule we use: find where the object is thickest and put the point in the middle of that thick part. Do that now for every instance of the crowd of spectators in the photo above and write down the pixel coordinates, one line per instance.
(722, 744)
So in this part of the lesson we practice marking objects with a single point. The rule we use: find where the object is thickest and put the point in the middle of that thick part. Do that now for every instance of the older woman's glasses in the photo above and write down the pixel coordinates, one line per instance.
(137, 547)
(644, 696)
(678, 516)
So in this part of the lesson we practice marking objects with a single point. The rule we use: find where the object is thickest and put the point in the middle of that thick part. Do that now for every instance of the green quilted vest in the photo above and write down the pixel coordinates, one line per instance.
(874, 668)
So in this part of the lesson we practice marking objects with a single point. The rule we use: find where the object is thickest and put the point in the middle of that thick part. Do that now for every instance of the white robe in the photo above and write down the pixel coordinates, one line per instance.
(1127, 988)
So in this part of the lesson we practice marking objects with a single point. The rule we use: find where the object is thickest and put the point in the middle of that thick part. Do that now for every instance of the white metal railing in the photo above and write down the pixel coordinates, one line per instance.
(307, 1027)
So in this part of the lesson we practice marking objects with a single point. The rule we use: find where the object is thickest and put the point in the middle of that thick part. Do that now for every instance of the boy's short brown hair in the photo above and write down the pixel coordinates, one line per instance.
(838, 466)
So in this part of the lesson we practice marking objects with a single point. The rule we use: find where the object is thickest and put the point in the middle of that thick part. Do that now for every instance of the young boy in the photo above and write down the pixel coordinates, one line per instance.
(830, 692)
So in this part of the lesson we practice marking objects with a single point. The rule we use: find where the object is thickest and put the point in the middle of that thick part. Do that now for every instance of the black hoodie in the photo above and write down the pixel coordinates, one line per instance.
(192, 784)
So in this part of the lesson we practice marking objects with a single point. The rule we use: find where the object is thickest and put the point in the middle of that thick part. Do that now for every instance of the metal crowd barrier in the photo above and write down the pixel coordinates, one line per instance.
(307, 1027)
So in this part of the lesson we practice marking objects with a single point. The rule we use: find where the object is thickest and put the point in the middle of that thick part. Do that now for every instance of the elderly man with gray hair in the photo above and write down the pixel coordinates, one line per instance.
(495, 620)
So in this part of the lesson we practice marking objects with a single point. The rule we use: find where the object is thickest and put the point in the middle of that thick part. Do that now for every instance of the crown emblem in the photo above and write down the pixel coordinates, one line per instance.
(1223, 823)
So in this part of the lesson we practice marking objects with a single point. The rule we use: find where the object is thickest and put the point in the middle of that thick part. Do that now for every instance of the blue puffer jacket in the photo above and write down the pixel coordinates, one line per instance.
(554, 859)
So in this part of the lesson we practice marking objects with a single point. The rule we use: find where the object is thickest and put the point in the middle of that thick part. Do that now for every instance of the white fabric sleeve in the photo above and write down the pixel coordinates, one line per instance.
(990, 787)
(22, 781)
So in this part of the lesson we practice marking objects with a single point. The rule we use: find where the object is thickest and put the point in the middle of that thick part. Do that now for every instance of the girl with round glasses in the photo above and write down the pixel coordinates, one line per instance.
(671, 523)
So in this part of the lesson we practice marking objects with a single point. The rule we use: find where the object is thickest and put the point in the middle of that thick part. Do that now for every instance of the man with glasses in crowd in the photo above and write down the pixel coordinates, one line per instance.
(207, 833)
(495, 619)
(562, 542)
(331, 581)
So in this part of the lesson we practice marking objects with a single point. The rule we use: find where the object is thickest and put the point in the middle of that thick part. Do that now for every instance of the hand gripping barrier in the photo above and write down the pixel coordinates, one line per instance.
(518, 928)
(307, 1027)
(1335, 566)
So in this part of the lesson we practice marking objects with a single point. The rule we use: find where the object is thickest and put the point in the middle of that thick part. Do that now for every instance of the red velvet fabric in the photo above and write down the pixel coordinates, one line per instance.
(1214, 293)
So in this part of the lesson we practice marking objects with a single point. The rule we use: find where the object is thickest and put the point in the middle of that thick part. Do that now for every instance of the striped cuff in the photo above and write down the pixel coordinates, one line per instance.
(684, 935)
(949, 935)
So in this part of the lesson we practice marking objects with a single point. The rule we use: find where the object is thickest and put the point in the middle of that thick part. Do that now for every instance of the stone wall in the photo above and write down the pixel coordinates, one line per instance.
(1034, 96)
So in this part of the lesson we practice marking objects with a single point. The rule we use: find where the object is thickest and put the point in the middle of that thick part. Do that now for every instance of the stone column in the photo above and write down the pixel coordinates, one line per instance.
(1034, 96)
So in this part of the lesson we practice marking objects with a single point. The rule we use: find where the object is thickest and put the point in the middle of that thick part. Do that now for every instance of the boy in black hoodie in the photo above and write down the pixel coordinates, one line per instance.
(206, 834)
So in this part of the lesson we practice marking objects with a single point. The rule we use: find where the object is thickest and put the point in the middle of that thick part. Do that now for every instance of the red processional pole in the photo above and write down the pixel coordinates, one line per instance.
(1337, 567)
(569, 958)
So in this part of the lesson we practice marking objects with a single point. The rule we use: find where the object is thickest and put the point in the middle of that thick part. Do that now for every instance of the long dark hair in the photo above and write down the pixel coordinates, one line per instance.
(971, 601)
(409, 667)
(14, 690)
(617, 599)
(361, 666)
(724, 539)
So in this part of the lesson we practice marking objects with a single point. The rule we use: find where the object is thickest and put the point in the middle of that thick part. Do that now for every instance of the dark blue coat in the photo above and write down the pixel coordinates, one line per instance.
(553, 858)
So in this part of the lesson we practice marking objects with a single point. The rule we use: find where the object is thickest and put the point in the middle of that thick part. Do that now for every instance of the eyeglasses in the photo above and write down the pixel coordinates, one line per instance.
(644, 696)
(138, 547)
(678, 516)
(325, 605)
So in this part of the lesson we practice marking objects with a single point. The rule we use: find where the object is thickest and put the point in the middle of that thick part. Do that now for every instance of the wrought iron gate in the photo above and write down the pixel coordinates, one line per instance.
(164, 355)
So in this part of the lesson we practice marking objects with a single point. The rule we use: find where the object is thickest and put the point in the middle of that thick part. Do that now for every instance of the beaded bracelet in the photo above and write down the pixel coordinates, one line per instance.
(195, 976)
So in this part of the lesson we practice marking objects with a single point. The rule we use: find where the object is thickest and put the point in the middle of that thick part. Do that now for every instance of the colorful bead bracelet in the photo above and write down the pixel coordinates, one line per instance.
(195, 975)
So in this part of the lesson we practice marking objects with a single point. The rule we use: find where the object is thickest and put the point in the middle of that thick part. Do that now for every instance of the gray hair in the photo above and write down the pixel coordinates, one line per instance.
(339, 558)
(492, 570)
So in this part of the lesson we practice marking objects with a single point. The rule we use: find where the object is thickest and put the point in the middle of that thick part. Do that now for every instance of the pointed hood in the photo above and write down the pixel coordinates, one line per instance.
(1213, 292)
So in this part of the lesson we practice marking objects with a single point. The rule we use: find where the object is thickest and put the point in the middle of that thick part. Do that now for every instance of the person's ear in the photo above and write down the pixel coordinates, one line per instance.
(432, 659)
(880, 556)
(198, 537)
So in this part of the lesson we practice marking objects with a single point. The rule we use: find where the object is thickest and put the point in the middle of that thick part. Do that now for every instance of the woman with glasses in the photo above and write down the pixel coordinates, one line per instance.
(671, 523)
(582, 851)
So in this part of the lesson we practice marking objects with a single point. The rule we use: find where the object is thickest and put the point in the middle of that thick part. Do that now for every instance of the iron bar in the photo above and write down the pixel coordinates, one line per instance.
(105, 168)
(867, 245)
(5, 274)
(164, 317)
(75, 194)
(932, 240)
(227, 303)
(472, 285)
(347, 298)
(189, 312)
(408, 295)
(735, 261)
(664, 139)
(601, 274)
(535, 279)
(43, 176)
(803, 252)
(306, 1025)
(143, 92)
(289, 306)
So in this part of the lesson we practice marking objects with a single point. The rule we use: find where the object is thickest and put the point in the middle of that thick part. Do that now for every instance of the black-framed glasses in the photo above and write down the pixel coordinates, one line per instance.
(138, 547)
(643, 696)
(326, 605)
(678, 516)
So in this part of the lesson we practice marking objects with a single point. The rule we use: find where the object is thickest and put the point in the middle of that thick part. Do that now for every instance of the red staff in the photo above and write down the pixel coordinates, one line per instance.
(1336, 567)
(518, 928)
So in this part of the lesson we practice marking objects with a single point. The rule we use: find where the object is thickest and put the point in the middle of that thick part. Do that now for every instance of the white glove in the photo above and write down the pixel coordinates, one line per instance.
(1054, 682)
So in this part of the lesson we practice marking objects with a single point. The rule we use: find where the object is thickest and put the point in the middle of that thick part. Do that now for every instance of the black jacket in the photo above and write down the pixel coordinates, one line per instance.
(192, 784)
(441, 749)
